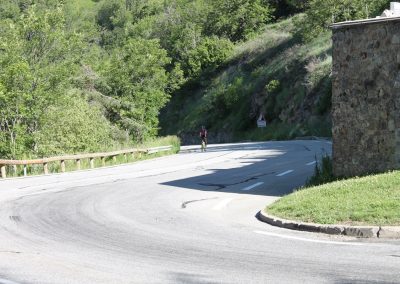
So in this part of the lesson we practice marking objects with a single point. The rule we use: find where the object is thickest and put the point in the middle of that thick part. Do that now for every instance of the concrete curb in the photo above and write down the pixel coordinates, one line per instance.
(353, 231)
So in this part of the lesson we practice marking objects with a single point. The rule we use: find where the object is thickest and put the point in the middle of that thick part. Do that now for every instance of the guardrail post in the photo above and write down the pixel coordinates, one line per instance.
(62, 166)
(3, 171)
(78, 164)
(91, 163)
(103, 161)
(25, 171)
(45, 169)
(15, 170)
(126, 157)
(114, 159)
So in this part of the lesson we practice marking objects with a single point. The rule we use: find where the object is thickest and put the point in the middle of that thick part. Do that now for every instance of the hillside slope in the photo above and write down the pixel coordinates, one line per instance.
(274, 74)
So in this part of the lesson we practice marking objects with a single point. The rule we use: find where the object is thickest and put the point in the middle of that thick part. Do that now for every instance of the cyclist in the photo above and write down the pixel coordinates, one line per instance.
(203, 136)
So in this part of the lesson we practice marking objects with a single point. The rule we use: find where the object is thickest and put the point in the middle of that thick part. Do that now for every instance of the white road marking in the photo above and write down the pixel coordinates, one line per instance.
(5, 281)
(252, 186)
(312, 163)
(307, 240)
(223, 204)
(285, 173)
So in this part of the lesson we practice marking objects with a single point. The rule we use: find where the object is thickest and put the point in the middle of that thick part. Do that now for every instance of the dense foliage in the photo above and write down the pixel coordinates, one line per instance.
(87, 75)
(83, 75)
(321, 13)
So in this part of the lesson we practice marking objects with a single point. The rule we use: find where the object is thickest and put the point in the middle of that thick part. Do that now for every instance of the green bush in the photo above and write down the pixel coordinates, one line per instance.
(73, 126)
(208, 55)
(237, 19)
(273, 86)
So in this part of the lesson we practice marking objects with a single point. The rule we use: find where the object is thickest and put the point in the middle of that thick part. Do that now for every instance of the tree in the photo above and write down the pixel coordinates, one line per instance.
(137, 77)
(237, 19)
(208, 55)
(285, 8)
(37, 58)
(322, 13)
(73, 126)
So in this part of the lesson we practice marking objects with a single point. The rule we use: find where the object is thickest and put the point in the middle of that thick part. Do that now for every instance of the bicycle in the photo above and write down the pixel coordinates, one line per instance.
(203, 144)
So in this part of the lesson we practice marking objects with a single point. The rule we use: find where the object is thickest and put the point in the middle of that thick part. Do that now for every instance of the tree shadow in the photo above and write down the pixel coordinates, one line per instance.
(258, 174)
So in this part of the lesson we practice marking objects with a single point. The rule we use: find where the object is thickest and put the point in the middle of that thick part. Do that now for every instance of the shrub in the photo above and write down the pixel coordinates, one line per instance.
(238, 19)
(273, 86)
(208, 55)
(73, 126)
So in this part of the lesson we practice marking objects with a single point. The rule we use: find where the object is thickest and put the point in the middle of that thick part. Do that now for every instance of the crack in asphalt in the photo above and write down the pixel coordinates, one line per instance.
(183, 206)
(223, 186)
(15, 218)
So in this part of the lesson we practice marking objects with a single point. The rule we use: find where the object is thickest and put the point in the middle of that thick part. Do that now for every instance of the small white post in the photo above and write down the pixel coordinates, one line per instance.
(3, 171)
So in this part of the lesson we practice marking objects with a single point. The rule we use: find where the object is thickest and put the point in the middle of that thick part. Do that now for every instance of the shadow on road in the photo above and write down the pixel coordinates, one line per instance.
(251, 168)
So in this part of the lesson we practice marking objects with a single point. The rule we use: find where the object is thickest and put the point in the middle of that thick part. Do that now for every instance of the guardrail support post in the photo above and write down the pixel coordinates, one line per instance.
(103, 161)
(114, 159)
(15, 170)
(62, 166)
(91, 163)
(46, 169)
(25, 171)
(126, 157)
(78, 164)
(3, 171)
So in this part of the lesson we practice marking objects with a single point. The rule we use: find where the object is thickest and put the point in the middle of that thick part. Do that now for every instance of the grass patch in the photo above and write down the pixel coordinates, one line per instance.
(370, 200)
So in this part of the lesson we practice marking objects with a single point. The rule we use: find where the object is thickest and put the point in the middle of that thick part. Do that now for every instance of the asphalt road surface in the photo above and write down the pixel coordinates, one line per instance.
(188, 218)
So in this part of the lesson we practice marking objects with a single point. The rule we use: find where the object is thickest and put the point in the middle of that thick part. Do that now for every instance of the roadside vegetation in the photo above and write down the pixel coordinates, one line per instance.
(276, 74)
(93, 75)
(370, 200)
(323, 172)
(282, 72)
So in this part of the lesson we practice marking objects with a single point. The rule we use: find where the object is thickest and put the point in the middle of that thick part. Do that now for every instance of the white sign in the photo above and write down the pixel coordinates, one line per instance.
(261, 121)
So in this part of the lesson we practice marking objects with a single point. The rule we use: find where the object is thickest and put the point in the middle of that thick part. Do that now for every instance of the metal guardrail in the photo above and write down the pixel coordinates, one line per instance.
(76, 158)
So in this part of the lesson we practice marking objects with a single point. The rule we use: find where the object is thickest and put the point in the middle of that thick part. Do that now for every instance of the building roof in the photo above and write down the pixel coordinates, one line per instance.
(363, 22)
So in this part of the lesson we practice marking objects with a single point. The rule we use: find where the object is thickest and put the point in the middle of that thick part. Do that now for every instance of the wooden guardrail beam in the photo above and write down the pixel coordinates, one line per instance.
(76, 158)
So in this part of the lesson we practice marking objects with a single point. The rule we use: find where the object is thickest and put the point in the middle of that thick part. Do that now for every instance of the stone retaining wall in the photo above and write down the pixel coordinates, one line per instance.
(366, 97)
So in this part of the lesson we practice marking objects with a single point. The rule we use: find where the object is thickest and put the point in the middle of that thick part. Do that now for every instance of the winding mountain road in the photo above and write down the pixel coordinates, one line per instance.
(187, 218)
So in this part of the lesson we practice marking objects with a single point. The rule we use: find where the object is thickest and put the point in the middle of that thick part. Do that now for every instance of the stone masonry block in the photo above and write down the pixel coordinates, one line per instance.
(366, 98)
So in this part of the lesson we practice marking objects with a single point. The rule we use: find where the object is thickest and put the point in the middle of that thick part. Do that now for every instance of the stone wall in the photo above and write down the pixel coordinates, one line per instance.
(366, 97)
